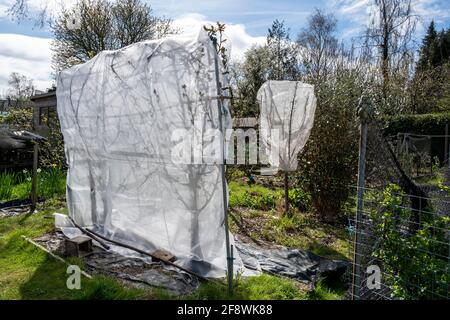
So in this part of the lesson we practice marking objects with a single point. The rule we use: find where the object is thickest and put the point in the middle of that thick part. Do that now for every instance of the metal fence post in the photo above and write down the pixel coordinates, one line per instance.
(364, 111)
(34, 180)
(229, 248)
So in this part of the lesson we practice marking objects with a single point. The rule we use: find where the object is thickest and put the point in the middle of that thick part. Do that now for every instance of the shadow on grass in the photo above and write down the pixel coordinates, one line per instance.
(326, 251)
(49, 282)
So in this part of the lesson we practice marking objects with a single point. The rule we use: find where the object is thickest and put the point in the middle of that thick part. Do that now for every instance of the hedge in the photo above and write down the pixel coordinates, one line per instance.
(428, 124)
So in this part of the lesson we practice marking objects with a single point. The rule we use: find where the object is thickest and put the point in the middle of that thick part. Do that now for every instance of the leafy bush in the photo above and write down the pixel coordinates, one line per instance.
(414, 262)
(300, 199)
(19, 118)
(328, 163)
(51, 151)
(431, 123)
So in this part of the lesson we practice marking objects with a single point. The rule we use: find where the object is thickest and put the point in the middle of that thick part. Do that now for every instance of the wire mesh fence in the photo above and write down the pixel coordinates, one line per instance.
(419, 154)
(401, 246)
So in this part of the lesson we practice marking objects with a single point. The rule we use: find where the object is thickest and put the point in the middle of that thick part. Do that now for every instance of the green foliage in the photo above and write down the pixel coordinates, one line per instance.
(19, 118)
(51, 152)
(429, 91)
(256, 197)
(266, 287)
(414, 262)
(7, 181)
(435, 48)
(104, 25)
(329, 161)
(29, 273)
(327, 291)
(248, 76)
(286, 224)
(104, 288)
(430, 88)
(431, 123)
(300, 199)
(305, 232)
(263, 287)
(234, 173)
(277, 59)
(52, 181)
(282, 52)
(17, 186)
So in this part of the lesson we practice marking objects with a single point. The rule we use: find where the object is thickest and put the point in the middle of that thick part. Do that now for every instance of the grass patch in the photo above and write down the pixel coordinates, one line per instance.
(328, 290)
(303, 231)
(7, 181)
(263, 287)
(267, 287)
(29, 273)
(253, 196)
(433, 180)
(17, 186)
(257, 215)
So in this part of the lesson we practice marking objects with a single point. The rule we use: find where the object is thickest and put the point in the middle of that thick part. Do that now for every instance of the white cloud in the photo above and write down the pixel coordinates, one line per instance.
(52, 7)
(30, 56)
(236, 34)
(358, 12)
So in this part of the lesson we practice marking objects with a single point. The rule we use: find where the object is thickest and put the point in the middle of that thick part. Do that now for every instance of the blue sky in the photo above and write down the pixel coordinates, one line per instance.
(26, 49)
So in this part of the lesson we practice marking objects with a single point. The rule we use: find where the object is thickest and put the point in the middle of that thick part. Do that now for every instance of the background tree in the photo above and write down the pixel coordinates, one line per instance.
(430, 88)
(427, 52)
(247, 77)
(20, 89)
(283, 53)
(327, 166)
(390, 32)
(277, 59)
(103, 25)
(319, 44)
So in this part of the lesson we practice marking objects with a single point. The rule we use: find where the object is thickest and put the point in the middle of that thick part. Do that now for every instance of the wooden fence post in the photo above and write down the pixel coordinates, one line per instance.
(364, 111)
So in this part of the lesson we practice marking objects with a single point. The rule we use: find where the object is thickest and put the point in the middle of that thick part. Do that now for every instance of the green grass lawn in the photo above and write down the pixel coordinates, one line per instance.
(17, 185)
(257, 212)
(27, 272)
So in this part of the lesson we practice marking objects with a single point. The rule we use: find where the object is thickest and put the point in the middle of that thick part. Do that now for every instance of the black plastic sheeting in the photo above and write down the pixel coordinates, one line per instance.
(141, 271)
(298, 264)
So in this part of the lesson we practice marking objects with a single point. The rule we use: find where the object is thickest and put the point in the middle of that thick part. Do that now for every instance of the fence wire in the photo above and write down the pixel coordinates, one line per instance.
(401, 250)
